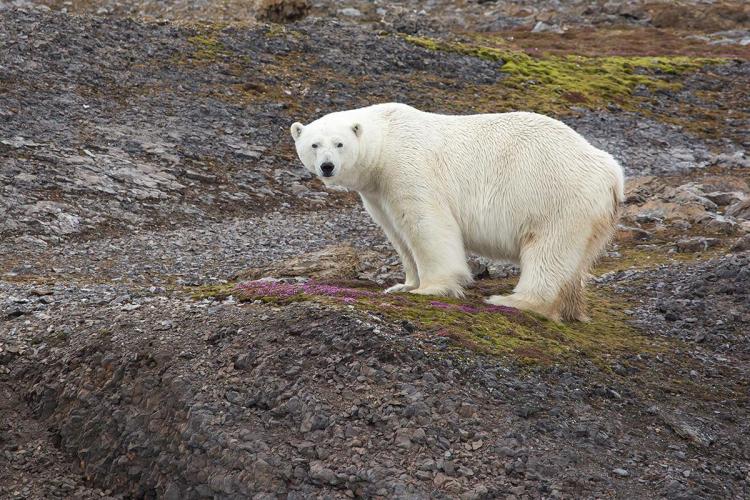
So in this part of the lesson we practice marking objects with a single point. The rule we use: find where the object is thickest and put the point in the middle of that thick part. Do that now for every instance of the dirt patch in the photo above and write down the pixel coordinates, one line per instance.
(620, 42)
(718, 16)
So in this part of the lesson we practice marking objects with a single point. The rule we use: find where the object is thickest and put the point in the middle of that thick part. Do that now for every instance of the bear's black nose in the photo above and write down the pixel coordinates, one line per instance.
(327, 169)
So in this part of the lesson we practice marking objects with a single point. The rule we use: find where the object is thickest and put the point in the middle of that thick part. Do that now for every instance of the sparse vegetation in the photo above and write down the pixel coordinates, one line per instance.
(207, 47)
(471, 323)
(552, 83)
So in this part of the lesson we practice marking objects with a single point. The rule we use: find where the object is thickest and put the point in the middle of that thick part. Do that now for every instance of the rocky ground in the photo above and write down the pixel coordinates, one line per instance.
(146, 171)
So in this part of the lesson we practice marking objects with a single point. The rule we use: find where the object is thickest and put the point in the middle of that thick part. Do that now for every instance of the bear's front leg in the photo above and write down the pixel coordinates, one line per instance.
(402, 249)
(437, 245)
(407, 261)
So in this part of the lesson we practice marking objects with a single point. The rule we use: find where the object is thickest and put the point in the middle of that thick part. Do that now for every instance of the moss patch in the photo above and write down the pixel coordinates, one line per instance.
(628, 41)
(207, 47)
(470, 323)
(217, 292)
(637, 258)
(553, 83)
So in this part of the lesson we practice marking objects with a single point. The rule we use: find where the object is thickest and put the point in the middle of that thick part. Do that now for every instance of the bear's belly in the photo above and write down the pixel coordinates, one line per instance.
(494, 238)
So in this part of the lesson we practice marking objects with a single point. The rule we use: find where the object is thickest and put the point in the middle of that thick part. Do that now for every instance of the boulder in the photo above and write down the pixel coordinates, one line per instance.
(281, 11)
(740, 210)
(742, 244)
(696, 244)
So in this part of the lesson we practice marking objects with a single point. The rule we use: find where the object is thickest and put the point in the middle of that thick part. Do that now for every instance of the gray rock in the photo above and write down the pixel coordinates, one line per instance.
(696, 244)
(321, 474)
(741, 244)
(402, 438)
(542, 27)
(350, 12)
(681, 425)
(724, 198)
(740, 210)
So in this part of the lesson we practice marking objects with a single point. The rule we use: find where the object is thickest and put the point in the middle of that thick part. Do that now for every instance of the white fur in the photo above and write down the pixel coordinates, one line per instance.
(520, 187)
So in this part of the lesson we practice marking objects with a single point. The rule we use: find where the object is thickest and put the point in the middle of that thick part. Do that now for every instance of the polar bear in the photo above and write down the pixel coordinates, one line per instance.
(518, 187)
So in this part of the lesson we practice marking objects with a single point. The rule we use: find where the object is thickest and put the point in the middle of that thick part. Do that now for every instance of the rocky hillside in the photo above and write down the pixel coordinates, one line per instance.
(186, 313)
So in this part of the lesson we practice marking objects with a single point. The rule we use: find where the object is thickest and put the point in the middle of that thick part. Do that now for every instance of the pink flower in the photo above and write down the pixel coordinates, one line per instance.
(469, 309)
(441, 305)
(501, 309)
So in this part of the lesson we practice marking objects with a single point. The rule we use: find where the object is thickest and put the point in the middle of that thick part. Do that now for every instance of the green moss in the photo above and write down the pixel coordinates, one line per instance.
(554, 82)
(428, 43)
(207, 47)
(527, 337)
(217, 292)
(276, 30)
(640, 258)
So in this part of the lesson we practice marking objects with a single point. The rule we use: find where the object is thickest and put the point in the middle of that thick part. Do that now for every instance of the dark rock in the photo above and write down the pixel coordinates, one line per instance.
(321, 474)
(527, 411)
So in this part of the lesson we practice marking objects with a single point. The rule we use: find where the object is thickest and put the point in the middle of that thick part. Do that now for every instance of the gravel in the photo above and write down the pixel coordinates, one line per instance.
(703, 303)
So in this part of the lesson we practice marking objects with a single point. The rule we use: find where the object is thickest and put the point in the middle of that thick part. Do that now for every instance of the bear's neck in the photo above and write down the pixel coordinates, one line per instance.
(373, 163)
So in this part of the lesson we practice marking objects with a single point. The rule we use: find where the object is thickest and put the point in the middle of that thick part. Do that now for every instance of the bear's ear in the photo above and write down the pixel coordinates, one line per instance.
(296, 130)
(357, 129)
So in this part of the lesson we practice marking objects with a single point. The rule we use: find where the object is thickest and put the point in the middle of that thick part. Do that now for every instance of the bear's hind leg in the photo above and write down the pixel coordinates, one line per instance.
(549, 267)
(573, 300)
(524, 303)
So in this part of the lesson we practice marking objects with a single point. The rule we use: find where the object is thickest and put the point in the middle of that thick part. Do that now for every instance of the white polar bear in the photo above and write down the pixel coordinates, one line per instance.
(519, 187)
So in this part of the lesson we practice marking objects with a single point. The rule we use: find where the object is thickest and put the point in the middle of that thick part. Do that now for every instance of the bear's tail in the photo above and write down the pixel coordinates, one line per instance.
(617, 189)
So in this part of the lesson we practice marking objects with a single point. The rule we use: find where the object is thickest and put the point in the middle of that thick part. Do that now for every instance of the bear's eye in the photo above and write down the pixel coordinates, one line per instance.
(315, 146)
(339, 145)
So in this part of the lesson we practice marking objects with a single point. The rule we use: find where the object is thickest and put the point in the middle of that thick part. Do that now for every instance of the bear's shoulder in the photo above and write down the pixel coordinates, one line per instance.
(389, 109)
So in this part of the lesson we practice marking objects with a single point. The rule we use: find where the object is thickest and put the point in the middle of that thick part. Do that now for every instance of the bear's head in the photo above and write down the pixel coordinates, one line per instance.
(329, 148)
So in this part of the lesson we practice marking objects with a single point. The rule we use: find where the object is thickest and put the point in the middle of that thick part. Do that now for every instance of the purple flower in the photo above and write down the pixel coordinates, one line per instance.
(441, 305)
(501, 309)
(469, 309)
